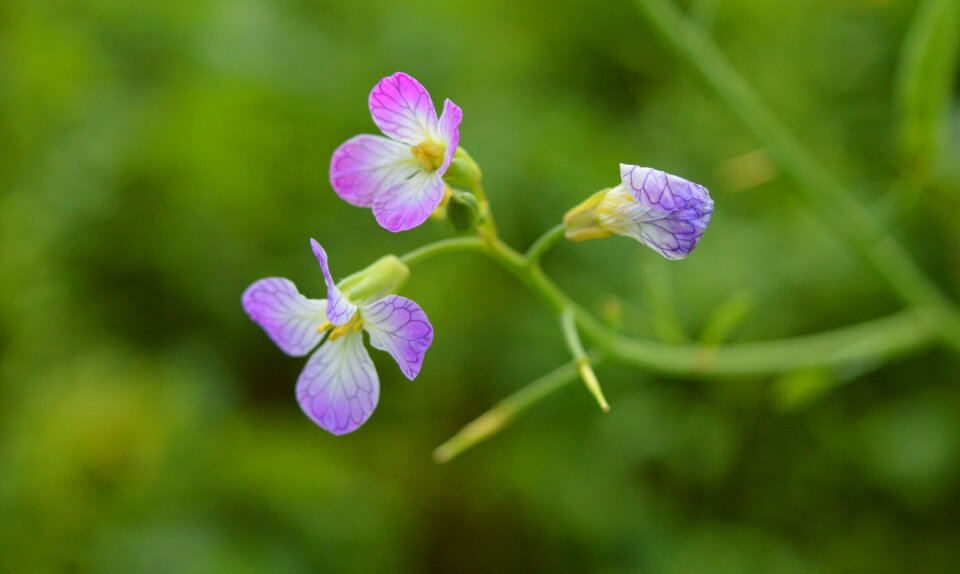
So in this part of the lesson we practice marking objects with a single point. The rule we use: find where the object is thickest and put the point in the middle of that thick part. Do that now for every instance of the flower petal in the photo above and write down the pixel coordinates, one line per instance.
(399, 326)
(450, 132)
(339, 310)
(409, 203)
(289, 319)
(402, 109)
(338, 388)
(671, 213)
(364, 165)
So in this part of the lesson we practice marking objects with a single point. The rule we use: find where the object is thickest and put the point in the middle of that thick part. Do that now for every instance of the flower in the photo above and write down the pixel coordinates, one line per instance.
(339, 388)
(400, 176)
(667, 213)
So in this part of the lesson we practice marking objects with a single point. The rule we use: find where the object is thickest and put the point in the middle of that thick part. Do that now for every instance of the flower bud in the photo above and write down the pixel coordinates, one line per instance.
(463, 211)
(666, 213)
(383, 276)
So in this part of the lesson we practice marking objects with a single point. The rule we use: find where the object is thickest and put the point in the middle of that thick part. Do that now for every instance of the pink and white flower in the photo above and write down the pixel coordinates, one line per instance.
(339, 388)
(399, 176)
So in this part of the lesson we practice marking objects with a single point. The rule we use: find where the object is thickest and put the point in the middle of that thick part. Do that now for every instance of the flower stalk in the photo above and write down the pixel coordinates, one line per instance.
(873, 341)
(545, 242)
(580, 358)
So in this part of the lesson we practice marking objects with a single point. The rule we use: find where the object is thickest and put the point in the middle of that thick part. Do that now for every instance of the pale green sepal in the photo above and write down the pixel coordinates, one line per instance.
(463, 172)
(385, 275)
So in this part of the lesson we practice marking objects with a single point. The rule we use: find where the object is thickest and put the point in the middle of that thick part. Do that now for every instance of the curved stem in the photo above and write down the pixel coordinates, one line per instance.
(923, 86)
(545, 242)
(488, 226)
(440, 247)
(837, 206)
(869, 341)
(872, 341)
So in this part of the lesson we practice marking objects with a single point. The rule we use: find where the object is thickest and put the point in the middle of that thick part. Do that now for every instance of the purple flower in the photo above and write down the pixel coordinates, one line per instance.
(667, 213)
(400, 176)
(339, 388)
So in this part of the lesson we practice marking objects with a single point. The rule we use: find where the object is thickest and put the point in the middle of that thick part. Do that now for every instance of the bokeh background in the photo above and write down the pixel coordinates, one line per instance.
(157, 157)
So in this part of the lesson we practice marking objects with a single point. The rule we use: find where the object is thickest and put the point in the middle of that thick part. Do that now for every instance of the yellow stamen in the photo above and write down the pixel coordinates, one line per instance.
(326, 326)
(354, 324)
(430, 154)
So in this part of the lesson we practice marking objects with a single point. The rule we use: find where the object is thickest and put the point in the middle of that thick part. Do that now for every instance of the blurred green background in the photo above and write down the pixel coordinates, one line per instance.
(157, 157)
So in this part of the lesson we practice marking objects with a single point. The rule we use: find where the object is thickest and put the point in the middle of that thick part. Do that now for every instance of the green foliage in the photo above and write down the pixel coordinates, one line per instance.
(157, 157)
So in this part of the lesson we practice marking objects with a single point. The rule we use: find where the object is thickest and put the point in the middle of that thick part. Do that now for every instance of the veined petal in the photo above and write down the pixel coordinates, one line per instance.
(402, 109)
(289, 319)
(339, 310)
(449, 132)
(399, 326)
(669, 214)
(409, 203)
(364, 165)
(338, 388)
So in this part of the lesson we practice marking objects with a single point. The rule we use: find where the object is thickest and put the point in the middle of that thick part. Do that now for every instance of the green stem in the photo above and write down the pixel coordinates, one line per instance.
(488, 226)
(869, 341)
(440, 247)
(872, 341)
(924, 84)
(580, 358)
(836, 205)
(568, 323)
(494, 420)
(545, 242)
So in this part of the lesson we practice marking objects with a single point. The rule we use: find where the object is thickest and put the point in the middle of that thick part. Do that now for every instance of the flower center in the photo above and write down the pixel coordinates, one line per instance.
(354, 324)
(429, 154)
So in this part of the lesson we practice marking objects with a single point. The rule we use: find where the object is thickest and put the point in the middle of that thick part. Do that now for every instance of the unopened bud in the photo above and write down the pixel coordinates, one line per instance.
(665, 212)
(463, 211)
